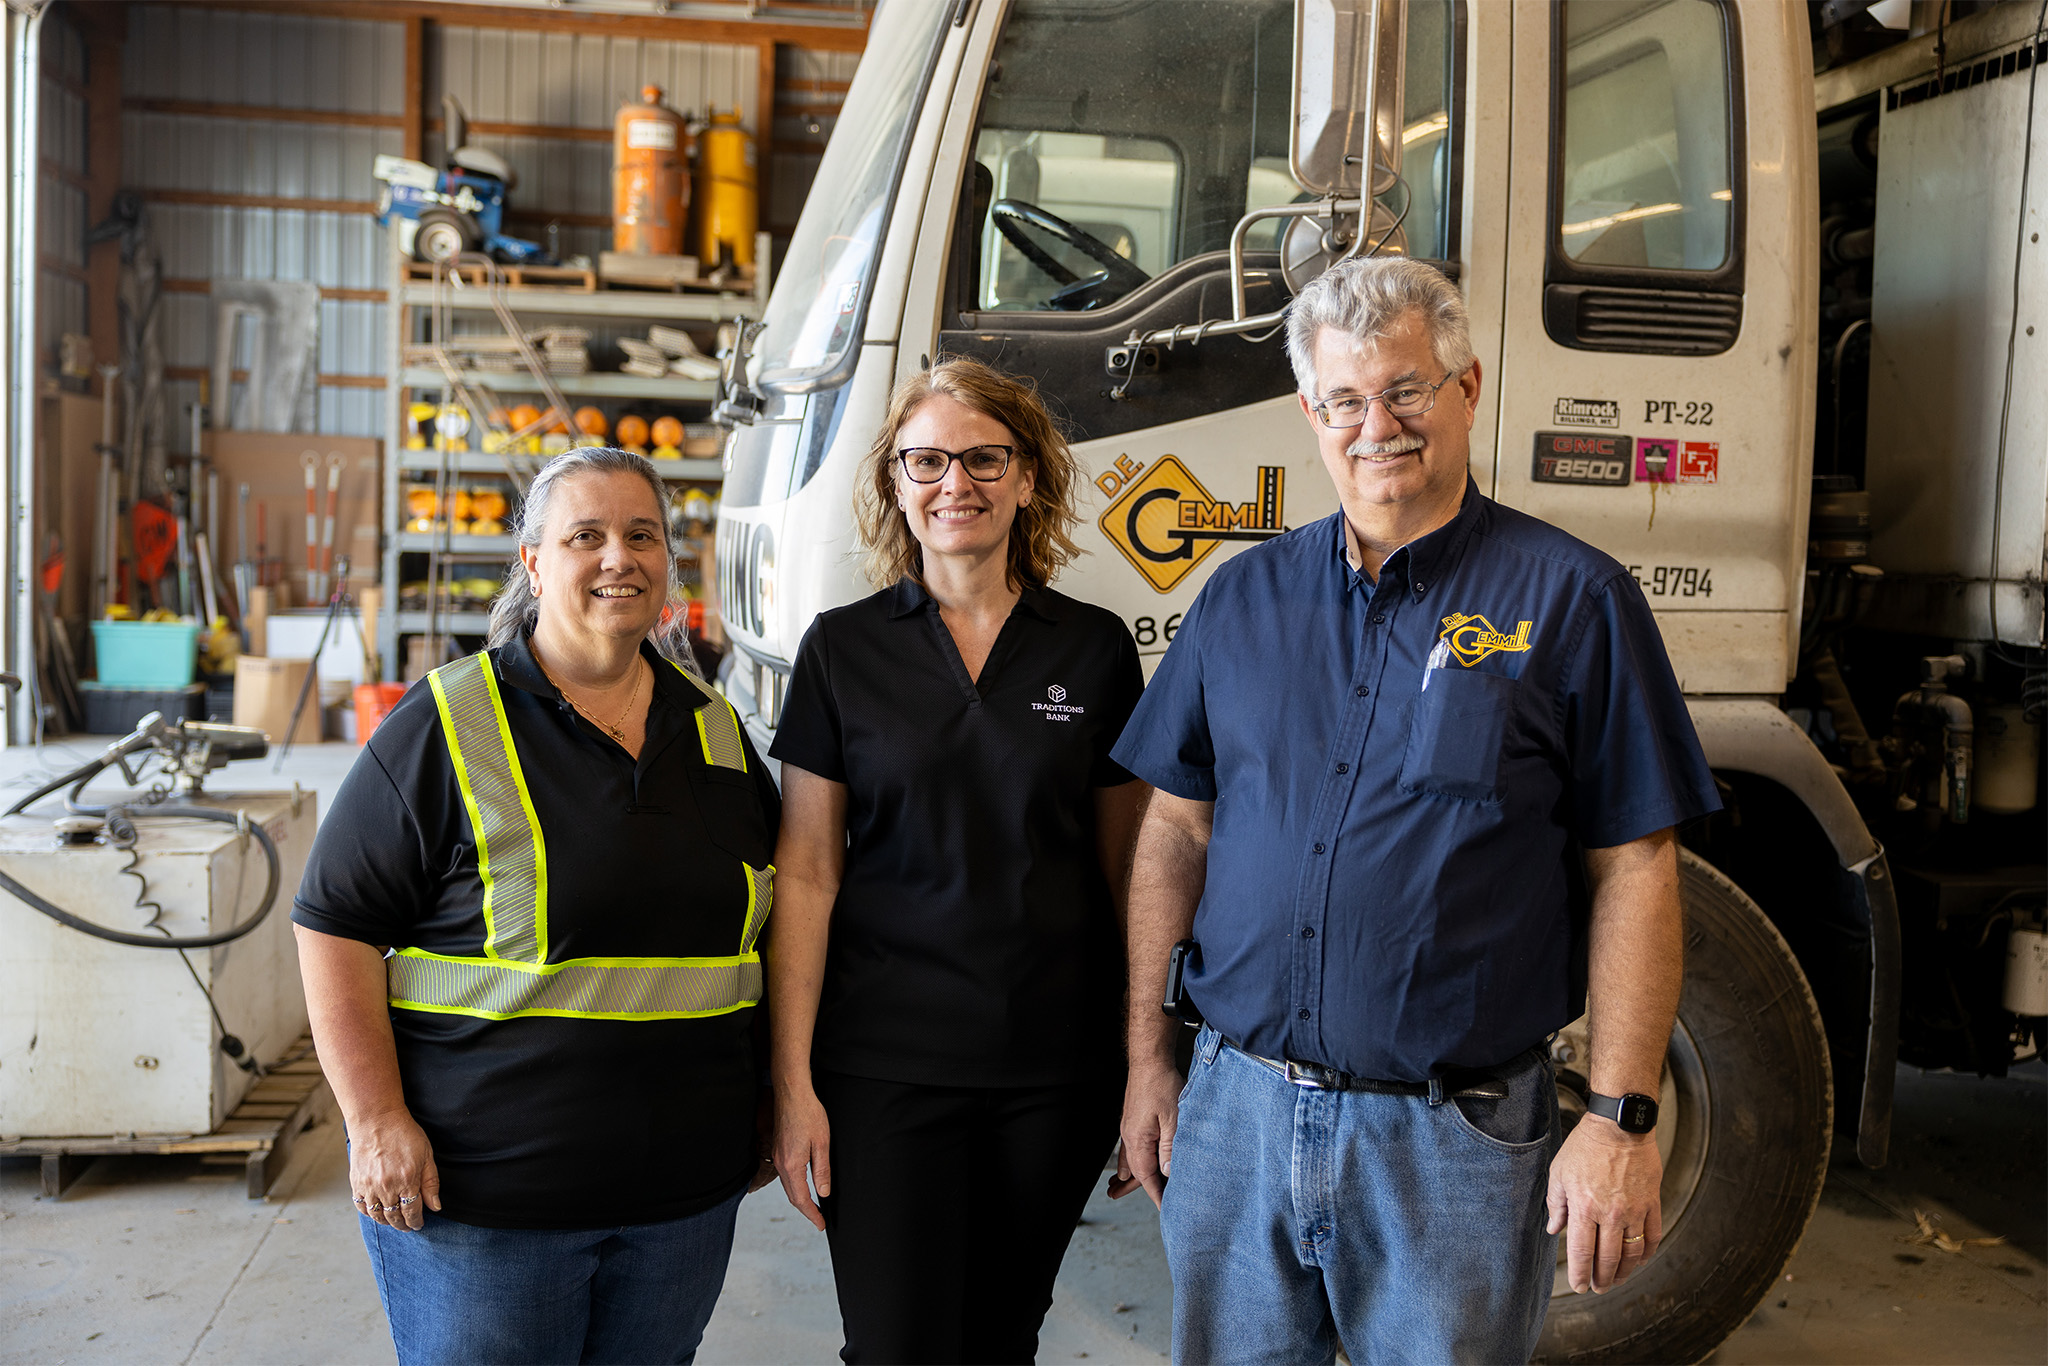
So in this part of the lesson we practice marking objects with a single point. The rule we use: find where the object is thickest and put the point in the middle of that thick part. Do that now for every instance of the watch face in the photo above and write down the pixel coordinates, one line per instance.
(1638, 1114)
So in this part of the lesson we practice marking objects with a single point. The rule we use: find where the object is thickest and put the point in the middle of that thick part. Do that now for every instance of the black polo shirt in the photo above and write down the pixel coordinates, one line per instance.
(974, 942)
(541, 1122)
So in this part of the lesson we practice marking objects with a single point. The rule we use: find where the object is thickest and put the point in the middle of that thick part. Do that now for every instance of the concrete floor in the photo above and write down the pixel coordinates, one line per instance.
(164, 1260)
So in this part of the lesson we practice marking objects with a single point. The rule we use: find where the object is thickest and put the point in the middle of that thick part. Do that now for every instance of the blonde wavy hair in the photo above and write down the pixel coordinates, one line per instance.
(1041, 539)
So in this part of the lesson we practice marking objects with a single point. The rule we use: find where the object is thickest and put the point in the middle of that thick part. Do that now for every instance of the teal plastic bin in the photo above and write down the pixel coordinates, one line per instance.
(145, 654)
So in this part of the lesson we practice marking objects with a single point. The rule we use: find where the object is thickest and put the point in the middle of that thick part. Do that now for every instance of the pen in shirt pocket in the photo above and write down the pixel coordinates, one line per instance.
(1438, 657)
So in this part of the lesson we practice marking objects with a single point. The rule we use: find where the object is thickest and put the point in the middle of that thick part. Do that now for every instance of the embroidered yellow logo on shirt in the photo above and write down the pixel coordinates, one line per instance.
(1472, 638)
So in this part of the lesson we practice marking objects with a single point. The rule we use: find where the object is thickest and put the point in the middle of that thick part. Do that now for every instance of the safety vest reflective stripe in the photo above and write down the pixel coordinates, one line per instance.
(511, 858)
(718, 727)
(583, 988)
(514, 978)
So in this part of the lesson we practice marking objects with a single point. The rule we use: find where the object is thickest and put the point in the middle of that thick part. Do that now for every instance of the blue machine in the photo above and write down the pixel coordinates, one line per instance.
(442, 213)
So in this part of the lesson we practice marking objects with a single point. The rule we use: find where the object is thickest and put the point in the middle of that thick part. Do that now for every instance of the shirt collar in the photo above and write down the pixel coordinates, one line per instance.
(517, 666)
(910, 596)
(1425, 558)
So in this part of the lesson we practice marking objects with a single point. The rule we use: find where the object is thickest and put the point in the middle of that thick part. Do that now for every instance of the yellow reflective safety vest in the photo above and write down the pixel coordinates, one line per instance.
(513, 977)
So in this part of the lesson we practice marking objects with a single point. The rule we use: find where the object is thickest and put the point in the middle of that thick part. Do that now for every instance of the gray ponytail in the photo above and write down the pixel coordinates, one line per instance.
(514, 610)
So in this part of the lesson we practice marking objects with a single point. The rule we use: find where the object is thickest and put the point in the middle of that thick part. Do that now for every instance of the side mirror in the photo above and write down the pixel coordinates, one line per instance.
(1348, 71)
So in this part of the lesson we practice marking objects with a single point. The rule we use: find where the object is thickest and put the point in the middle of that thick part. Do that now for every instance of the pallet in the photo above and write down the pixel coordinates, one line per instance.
(282, 1105)
(568, 279)
(735, 282)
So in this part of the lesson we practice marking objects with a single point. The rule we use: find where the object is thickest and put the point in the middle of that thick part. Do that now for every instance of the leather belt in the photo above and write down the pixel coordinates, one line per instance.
(1476, 1085)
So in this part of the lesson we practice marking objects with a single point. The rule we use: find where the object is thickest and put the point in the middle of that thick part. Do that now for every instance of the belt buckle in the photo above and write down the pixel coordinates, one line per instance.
(1308, 1075)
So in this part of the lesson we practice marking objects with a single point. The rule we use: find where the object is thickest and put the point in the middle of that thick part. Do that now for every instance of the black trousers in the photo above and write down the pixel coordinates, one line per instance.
(951, 1208)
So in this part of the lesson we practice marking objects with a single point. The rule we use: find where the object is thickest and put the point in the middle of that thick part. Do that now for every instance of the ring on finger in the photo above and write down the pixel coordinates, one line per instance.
(1637, 1239)
(407, 1199)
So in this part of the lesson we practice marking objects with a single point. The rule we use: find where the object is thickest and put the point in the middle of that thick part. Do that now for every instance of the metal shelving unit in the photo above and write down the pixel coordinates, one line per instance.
(410, 299)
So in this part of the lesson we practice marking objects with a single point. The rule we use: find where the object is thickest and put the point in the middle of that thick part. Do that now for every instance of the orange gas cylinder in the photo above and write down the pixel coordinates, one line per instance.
(650, 177)
(728, 209)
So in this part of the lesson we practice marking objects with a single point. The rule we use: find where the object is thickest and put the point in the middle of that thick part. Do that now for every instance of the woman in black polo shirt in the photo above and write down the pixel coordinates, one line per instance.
(550, 1086)
(943, 967)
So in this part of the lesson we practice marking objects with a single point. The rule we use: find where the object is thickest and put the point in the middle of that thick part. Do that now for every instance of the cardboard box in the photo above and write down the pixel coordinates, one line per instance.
(266, 690)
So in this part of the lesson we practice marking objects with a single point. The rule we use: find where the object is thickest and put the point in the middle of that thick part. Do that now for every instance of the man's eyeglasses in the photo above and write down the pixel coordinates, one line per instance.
(928, 464)
(1412, 399)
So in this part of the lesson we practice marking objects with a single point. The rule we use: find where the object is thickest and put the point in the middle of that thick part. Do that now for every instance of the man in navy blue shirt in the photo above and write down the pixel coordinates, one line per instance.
(1418, 769)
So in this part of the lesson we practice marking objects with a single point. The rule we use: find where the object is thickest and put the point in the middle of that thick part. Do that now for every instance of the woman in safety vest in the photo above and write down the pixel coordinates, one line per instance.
(945, 968)
(527, 930)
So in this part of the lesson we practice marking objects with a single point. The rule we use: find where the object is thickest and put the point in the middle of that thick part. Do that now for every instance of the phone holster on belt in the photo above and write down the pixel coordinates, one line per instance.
(1178, 1003)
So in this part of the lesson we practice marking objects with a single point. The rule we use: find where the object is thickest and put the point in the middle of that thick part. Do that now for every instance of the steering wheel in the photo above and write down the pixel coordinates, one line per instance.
(1010, 215)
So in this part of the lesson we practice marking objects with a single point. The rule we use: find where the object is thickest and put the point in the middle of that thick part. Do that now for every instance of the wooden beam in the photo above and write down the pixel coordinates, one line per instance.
(201, 372)
(58, 266)
(414, 119)
(567, 220)
(210, 199)
(106, 31)
(559, 131)
(368, 296)
(739, 30)
(65, 175)
(264, 113)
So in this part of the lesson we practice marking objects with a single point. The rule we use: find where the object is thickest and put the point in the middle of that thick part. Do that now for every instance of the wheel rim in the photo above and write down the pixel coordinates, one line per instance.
(440, 242)
(1684, 1121)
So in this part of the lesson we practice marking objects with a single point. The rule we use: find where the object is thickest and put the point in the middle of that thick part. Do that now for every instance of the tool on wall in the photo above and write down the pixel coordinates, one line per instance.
(310, 460)
(335, 464)
(245, 576)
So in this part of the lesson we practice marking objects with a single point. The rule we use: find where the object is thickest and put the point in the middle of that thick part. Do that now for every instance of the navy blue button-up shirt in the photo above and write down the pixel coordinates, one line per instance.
(1404, 775)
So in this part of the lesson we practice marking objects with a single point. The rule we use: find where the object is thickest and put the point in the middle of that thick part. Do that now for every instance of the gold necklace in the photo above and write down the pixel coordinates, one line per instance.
(617, 730)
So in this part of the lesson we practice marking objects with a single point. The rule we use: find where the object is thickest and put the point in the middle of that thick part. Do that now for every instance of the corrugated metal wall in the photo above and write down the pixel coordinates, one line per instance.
(519, 81)
(185, 53)
(572, 81)
(61, 205)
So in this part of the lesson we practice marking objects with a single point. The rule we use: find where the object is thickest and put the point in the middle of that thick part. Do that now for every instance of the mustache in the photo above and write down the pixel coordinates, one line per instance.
(1400, 445)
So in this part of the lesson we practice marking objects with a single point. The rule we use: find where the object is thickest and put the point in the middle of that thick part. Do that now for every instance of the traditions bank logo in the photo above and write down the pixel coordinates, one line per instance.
(1166, 523)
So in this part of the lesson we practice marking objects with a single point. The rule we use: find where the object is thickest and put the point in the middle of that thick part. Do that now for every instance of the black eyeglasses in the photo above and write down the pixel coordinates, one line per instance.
(1412, 399)
(928, 464)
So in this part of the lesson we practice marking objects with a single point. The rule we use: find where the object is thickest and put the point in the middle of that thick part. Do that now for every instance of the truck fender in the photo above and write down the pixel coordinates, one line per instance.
(1751, 735)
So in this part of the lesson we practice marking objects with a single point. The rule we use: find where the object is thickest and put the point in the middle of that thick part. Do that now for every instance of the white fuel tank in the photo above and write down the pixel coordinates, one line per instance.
(99, 1038)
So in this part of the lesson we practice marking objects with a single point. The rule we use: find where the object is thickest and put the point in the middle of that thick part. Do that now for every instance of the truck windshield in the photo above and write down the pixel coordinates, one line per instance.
(1123, 139)
(819, 303)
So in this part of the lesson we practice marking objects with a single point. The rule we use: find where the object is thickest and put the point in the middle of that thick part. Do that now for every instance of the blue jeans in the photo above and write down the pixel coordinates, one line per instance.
(456, 1293)
(1411, 1231)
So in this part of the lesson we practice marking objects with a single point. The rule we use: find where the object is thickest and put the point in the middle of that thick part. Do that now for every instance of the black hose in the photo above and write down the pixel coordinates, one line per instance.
(143, 941)
(81, 775)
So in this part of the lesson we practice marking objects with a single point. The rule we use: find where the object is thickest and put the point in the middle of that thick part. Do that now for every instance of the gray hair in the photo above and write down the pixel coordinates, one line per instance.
(1365, 298)
(515, 609)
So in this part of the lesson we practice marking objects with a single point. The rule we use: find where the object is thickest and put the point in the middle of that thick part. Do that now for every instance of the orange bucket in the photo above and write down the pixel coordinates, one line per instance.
(374, 702)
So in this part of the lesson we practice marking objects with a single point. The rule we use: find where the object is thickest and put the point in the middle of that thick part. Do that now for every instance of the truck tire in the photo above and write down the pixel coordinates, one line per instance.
(443, 235)
(1748, 1110)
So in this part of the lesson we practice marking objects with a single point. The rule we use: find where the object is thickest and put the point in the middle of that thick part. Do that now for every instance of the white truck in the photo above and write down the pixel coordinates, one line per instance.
(1673, 252)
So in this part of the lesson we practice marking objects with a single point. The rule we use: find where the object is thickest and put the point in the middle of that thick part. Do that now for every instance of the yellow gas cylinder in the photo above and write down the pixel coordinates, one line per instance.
(650, 177)
(728, 210)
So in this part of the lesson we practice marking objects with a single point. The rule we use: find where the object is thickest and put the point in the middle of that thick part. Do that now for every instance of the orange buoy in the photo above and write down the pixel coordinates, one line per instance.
(667, 431)
(650, 177)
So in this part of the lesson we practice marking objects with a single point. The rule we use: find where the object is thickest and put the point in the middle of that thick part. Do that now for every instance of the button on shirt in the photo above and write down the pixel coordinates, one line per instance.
(974, 941)
(1404, 774)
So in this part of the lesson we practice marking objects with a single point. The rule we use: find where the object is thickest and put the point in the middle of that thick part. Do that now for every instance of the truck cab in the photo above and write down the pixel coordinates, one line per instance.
(1118, 200)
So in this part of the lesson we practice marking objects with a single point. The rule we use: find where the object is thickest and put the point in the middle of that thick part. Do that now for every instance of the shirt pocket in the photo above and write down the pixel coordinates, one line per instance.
(730, 806)
(1456, 733)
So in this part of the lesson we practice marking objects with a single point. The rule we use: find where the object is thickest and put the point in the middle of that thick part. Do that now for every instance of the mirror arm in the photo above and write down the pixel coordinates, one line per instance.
(1238, 323)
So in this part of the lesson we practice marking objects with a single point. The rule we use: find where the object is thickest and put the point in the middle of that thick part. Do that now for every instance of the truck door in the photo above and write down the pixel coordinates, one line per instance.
(1111, 151)
(1659, 307)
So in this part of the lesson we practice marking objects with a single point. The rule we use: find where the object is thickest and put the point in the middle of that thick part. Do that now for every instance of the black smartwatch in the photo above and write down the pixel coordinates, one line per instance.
(1632, 1114)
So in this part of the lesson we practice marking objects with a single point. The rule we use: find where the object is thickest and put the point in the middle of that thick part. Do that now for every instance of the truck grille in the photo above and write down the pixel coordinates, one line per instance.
(1650, 321)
